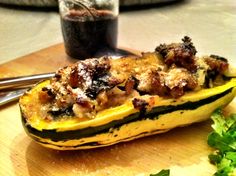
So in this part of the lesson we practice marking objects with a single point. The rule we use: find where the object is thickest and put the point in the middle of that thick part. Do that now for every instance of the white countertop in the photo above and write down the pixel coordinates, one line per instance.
(211, 25)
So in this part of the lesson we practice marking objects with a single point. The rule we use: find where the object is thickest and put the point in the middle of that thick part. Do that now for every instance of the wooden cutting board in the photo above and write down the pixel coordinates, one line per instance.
(182, 150)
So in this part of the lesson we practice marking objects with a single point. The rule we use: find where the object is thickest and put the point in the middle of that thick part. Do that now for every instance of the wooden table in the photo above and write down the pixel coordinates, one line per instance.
(183, 150)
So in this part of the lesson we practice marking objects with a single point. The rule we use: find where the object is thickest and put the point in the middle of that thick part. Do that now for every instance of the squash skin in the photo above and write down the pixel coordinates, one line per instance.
(111, 127)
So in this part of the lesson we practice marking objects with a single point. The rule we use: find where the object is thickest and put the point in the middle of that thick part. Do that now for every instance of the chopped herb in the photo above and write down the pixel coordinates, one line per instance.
(223, 139)
(162, 173)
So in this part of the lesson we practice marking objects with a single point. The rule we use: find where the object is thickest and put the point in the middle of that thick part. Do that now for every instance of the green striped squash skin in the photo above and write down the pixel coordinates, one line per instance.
(159, 119)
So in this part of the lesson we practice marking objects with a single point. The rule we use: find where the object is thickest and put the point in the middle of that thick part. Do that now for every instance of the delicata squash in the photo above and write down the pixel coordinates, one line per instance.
(102, 101)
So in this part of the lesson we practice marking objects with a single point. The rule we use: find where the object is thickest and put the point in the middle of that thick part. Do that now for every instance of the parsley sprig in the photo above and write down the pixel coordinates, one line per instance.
(223, 139)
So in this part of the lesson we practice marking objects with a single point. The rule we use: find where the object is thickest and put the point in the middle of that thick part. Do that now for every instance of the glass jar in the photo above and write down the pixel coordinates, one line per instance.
(89, 27)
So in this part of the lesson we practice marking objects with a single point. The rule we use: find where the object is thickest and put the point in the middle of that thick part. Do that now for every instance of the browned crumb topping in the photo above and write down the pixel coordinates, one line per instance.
(180, 54)
(217, 64)
(89, 86)
(140, 104)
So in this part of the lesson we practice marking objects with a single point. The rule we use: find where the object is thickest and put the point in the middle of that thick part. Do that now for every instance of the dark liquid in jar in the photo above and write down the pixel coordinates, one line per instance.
(84, 37)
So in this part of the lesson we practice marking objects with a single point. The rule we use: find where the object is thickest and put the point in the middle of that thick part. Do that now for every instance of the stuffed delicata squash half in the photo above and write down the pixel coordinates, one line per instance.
(99, 102)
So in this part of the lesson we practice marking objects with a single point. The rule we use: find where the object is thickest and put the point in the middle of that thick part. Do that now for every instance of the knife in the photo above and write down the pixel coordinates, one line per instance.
(23, 80)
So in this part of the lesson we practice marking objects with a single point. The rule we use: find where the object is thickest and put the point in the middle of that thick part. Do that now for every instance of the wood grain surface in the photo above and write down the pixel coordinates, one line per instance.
(182, 150)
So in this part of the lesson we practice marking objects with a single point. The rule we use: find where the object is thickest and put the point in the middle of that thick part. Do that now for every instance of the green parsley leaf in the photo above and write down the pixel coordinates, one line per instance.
(162, 173)
(223, 139)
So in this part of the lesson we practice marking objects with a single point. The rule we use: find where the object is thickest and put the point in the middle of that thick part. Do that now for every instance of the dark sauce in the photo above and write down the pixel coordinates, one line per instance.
(85, 36)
